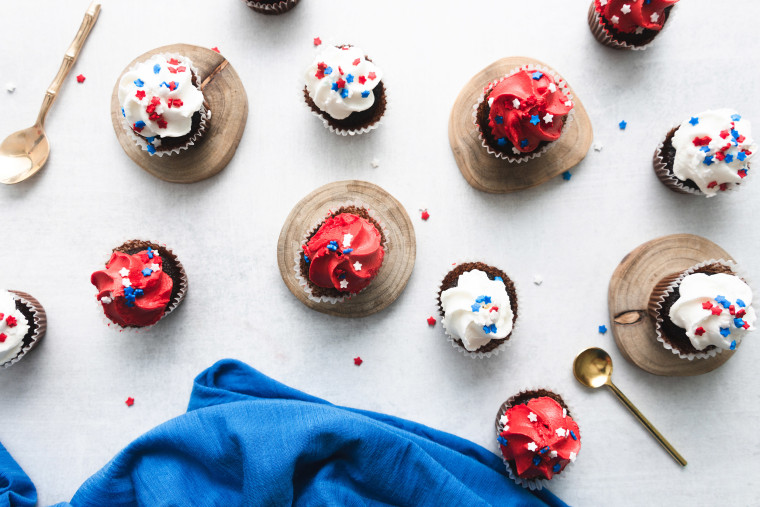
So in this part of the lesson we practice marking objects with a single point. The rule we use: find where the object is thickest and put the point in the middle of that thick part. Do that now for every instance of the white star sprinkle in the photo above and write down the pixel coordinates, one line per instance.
(375, 163)
(503, 420)
(569, 103)
(654, 17)
(532, 446)
(347, 240)
(598, 146)
(10, 87)
(124, 272)
(602, 2)
(357, 266)
(564, 412)
(343, 284)
(553, 454)
(490, 101)
(154, 267)
(639, 30)
(155, 253)
(552, 87)
(106, 300)
(532, 417)
(538, 279)
(560, 432)
(615, 20)
(625, 9)
(548, 118)
(572, 456)
(125, 282)
(516, 104)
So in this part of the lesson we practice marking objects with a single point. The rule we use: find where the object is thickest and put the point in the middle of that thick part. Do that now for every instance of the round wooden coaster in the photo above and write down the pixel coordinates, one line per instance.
(400, 252)
(630, 287)
(228, 103)
(490, 174)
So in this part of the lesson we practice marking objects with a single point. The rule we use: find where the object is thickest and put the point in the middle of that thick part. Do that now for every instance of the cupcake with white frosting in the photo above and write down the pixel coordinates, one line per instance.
(22, 325)
(707, 154)
(703, 310)
(478, 304)
(345, 89)
(162, 104)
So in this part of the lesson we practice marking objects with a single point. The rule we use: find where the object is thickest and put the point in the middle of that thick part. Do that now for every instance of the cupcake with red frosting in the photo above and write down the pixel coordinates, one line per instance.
(341, 255)
(22, 325)
(628, 24)
(521, 114)
(141, 283)
(271, 6)
(537, 437)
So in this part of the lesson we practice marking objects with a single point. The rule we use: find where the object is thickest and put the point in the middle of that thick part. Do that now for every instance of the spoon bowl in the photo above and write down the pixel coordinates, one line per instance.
(22, 154)
(593, 367)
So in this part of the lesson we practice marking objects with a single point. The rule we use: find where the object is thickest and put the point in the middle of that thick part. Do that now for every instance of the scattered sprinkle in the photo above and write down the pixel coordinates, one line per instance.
(598, 146)
(11, 87)
(431, 321)
(602, 329)
(358, 361)
(317, 41)
(216, 49)
(425, 215)
(375, 163)
(81, 78)
(535, 120)
(694, 120)
(538, 279)
(567, 175)
(3, 336)
(130, 401)
(537, 75)
(556, 468)
(623, 124)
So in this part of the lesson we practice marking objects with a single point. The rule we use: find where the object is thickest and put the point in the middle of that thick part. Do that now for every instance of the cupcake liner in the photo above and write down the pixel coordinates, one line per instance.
(667, 286)
(39, 325)
(204, 112)
(505, 343)
(522, 157)
(271, 8)
(601, 34)
(349, 132)
(303, 282)
(665, 175)
(539, 483)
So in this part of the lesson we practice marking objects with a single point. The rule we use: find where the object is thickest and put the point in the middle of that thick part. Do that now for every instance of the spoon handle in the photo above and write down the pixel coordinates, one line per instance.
(656, 434)
(68, 60)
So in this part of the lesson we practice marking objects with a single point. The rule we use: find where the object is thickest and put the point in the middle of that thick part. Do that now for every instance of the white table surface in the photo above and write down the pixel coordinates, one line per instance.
(62, 411)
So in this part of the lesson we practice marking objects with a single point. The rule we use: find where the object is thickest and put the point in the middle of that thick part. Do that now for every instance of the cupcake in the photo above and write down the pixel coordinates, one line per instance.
(341, 255)
(703, 310)
(521, 114)
(22, 325)
(537, 437)
(706, 154)
(628, 24)
(272, 6)
(478, 304)
(162, 104)
(142, 282)
(345, 89)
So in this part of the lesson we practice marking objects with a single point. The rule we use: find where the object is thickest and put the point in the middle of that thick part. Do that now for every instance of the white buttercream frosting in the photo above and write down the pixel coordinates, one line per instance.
(11, 333)
(158, 97)
(713, 150)
(714, 310)
(340, 81)
(477, 310)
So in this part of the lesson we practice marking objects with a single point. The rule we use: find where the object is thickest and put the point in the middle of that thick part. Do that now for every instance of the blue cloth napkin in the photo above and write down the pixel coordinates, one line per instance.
(249, 440)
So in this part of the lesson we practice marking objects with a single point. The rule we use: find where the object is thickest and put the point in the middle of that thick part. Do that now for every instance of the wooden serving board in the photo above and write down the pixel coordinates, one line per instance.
(228, 102)
(490, 174)
(630, 287)
(400, 251)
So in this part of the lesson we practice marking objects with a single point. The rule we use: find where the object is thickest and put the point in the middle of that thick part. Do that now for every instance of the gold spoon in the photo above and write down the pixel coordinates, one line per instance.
(593, 368)
(23, 153)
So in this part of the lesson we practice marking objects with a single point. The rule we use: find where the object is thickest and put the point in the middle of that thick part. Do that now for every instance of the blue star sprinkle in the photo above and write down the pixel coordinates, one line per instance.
(156, 69)
(483, 299)
(501, 141)
(140, 124)
(151, 149)
(733, 345)
(475, 307)
(736, 117)
(556, 468)
(536, 460)
(150, 253)
(365, 94)
(349, 78)
(344, 93)
(328, 71)
(537, 75)
(706, 149)
(735, 133)
(490, 329)
(725, 303)
(741, 156)
(724, 331)
(129, 291)
(498, 279)
(523, 143)
(334, 87)
(147, 271)
(602, 329)
(694, 120)
(138, 292)
(139, 83)
(306, 258)
(123, 113)
(499, 120)
(738, 322)
(729, 159)
(503, 441)
(741, 303)
(535, 120)
(567, 175)
(150, 140)
(622, 125)
(708, 160)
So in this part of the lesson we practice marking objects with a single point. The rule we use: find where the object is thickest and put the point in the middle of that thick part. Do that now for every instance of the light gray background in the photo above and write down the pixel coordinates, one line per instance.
(62, 411)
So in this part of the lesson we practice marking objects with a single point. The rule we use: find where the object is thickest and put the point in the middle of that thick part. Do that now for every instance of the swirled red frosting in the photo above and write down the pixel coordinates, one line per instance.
(527, 108)
(133, 289)
(540, 438)
(629, 15)
(345, 253)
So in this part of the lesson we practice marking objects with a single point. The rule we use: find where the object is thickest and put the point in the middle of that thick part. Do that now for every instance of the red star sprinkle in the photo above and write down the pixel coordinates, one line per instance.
(130, 401)
(140, 94)
(699, 331)
(702, 141)
(80, 78)
(724, 134)
(732, 309)
(317, 41)
(162, 123)
(717, 310)
(136, 128)
(2, 316)
(173, 61)
(341, 83)
(172, 86)
(173, 70)
(720, 155)
(3, 336)
(362, 79)
(425, 215)
(11, 321)
(724, 186)
(154, 116)
(741, 313)
(707, 305)
(493, 309)
(358, 361)
(712, 184)
(215, 49)
(357, 61)
(431, 321)
(740, 139)
(746, 325)
(181, 69)
(371, 75)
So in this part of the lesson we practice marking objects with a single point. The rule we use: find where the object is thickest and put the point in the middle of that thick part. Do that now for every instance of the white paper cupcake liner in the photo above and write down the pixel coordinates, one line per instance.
(505, 344)
(671, 288)
(531, 484)
(600, 32)
(519, 158)
(40, 323)
(304, 239)
(205, 117)
(271, 8)
(666, 176)
(351, 132)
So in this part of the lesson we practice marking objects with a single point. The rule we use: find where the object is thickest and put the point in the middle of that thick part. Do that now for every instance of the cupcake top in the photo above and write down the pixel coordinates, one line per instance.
(477, 310)
(714, 310)
(713, 150)
(539, 437)
(527, 108)
(13, 327)
(133, 289)
(629, 16)
(345, 253)
(341, 79)
(158, 97)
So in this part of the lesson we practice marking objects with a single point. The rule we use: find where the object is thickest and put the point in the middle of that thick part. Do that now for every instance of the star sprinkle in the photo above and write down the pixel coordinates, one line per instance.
(344, 284)
(425, 215)
(598, 146)
(347, 237)
(475, 307)
(516, 104)
(626, 9)
(130, 401)
(567, 175)
(156, 69)
(694, 120)
(699, 331)
(561, 432)
(502, 141)
(538, 279)
(556, 468)
(124, 272)
(537, 75)
(532, 446)
(548, 118)
(523, 143)
(553, 454)
(357, 266)
(358, 361)
(139, 83)
(532, 417)
(371, 76)
(140, 94)
(572, 456)
(317, 41)
(147, 272)
(623, 124)
(3, 336)
(126, 282)
(10, 87)
(535, 120)
(615, 20)
(741, 303)
(375, 163)
(499, 120)
(602, 329)
(552, 87)
(11, 321)
(724, 331)
(431, 321)
(365, 94)
(654, 17)
(708, 161)
(496, 278)
(216, 49)
(81, 78)
(503, 441)
(503, 420)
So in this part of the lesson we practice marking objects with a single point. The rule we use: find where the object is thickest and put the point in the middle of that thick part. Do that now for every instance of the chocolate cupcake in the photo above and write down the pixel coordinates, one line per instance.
(537, 437)
(271, 7)
(521, 114)
(706, 154)
(142, 282)
(627, 24)
(341, 255)
(345, 89)
(162, 104)
(478, 304)
(22, 325)
(703, 310)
